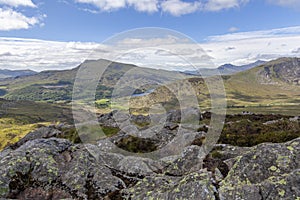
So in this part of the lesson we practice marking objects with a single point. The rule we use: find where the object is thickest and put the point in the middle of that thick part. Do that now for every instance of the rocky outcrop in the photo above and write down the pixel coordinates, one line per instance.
(43, 166)
(267, 171)
(283, 69)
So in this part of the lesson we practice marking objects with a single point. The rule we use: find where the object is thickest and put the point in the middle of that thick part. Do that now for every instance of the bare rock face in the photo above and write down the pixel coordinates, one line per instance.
(42, 166)
(283, 69)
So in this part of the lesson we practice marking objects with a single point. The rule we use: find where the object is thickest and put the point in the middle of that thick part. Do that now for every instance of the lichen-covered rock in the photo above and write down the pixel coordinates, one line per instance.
(32, 163)
(42, 166)
(197, 185)
(189, 161)
(267, 171)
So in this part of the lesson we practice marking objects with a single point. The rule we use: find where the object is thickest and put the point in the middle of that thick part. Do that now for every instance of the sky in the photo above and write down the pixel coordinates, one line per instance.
(60, 34)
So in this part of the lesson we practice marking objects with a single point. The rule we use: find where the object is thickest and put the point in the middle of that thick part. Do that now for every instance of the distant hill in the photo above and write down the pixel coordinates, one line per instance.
(6, 73)
(275, 82)
(58, 85)
(226, 69)
(272, 83)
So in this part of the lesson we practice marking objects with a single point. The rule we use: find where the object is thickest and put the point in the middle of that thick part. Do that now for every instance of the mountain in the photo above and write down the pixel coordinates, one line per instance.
(272, 87)
(226, 69)
(281, 70)
(6, 73)
(273, 83)
(58, 85)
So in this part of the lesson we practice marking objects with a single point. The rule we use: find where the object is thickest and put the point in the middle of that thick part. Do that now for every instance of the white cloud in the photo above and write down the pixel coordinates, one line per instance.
(217, 5)
(16, 3)
(288, 3)
(233, 29)
(178, 7)
(166, 52)
(105, 5)
(251, 46)
(111, 5)
(13, 20)
(149, 6)
(173, 7)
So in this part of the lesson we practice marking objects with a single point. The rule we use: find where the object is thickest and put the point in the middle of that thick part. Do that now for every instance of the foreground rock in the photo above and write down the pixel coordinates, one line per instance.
(267, 171)
(42, 166)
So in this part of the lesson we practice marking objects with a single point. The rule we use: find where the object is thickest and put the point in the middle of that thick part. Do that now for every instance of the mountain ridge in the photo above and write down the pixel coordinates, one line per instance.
(7, 73)
(226, 69)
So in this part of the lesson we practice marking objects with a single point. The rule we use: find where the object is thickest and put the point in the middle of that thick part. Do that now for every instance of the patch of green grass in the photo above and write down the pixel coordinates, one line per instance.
(11, 130)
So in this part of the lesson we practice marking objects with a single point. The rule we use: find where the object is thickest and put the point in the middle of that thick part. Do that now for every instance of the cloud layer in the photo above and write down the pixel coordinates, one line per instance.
(166, 52)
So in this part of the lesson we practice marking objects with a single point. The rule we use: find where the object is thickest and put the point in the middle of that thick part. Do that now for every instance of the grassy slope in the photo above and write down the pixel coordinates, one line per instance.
(246, 89)
(19, 118)
(36, 87)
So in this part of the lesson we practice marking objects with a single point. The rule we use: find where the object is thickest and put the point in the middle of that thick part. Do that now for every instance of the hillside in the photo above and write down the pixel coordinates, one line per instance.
(17, 118)
(262, 88)
(274, 83)
(269, 88)
(58, 85)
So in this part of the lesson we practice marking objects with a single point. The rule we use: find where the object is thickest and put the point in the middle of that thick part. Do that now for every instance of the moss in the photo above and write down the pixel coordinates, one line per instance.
(70, 134)
(110, 131)
(137, 145)
(216, 154)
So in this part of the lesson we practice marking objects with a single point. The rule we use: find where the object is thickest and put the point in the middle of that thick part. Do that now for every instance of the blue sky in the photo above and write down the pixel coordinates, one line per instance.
(68, 20)
(89, 22)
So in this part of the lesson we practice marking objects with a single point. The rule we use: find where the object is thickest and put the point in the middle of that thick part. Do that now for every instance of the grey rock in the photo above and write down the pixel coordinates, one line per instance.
(197, 185)
(41, 166)
(267, 171)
